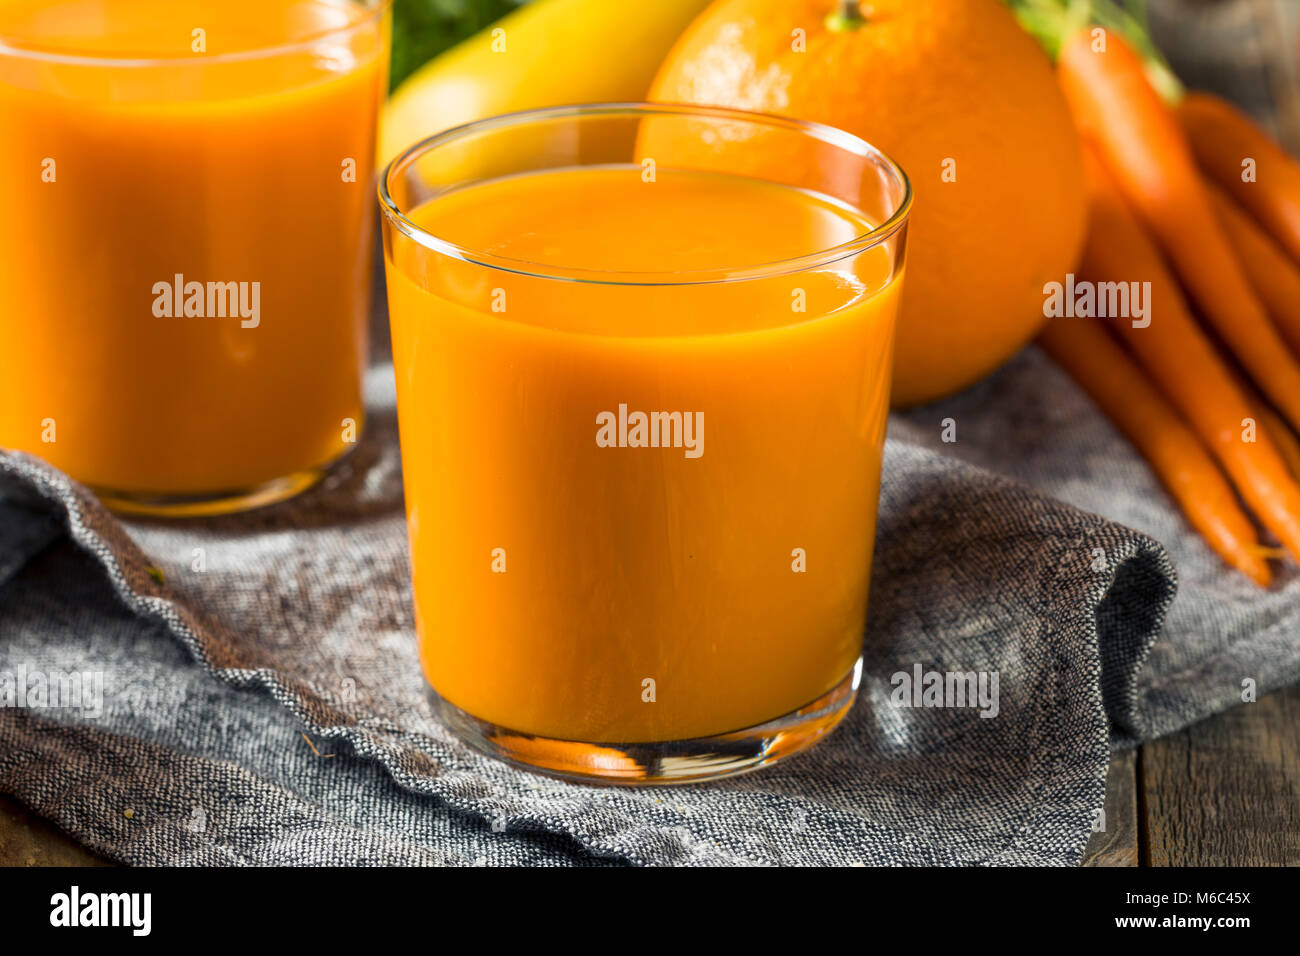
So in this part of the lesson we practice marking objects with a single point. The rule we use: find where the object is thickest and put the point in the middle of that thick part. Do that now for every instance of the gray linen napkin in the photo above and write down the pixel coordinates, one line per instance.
(269, 708)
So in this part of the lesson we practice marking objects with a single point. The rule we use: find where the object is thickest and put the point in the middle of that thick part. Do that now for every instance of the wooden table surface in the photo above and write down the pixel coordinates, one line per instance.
(1225, 792)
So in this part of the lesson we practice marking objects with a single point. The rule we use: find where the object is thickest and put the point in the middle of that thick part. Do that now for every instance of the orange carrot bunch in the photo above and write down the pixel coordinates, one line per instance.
(1191, 199)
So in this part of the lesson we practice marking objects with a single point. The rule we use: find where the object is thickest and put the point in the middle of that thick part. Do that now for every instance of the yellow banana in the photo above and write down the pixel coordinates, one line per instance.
(547, 53)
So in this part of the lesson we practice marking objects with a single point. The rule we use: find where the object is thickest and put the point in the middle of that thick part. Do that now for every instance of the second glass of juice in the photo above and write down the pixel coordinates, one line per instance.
(643, 366)
(186, 258)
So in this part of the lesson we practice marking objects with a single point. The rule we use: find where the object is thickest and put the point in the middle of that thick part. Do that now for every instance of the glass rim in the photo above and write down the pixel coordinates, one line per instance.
(374, 9)
(819, 131)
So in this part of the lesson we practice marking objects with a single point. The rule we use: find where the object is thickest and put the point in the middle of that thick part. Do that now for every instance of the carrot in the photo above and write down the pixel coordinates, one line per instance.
(1180, 358)
(1288, 446)
(1275, 278)
(1095, 361)
(1285, 439)
(1223, 138)
(1139, 139)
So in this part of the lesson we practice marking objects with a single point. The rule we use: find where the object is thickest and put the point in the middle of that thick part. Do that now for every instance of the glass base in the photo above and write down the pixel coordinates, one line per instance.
(666, 762)
(216, 503)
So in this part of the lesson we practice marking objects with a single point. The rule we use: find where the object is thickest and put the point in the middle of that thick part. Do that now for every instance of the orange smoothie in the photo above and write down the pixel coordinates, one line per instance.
(639, 511)
(188, 217)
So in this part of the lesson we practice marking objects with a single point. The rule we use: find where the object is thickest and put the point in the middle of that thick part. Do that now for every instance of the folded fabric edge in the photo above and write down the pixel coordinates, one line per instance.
(1128, 583)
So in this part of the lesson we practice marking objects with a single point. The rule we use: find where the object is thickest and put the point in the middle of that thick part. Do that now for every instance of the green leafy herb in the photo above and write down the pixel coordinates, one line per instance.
(1052, 22)
(424, 28)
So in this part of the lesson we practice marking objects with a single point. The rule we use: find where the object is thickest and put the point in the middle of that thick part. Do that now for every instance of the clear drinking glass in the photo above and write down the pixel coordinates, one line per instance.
(187, 246)
(643, 360)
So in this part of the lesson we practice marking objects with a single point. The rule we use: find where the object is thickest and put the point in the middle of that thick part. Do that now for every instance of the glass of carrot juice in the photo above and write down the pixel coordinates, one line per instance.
(188, 230)
(643, 359)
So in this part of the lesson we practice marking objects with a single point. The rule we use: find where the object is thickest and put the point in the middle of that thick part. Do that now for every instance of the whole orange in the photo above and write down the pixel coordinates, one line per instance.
(968, 105)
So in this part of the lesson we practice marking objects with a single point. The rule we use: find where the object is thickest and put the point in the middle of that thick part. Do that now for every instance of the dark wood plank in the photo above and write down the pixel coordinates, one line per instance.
(1226, 792)
(1117, 845)
(27, 840)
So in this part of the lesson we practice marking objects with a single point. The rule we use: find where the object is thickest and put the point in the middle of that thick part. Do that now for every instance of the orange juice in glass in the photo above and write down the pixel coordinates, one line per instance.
(186, 257)
(643, 362)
